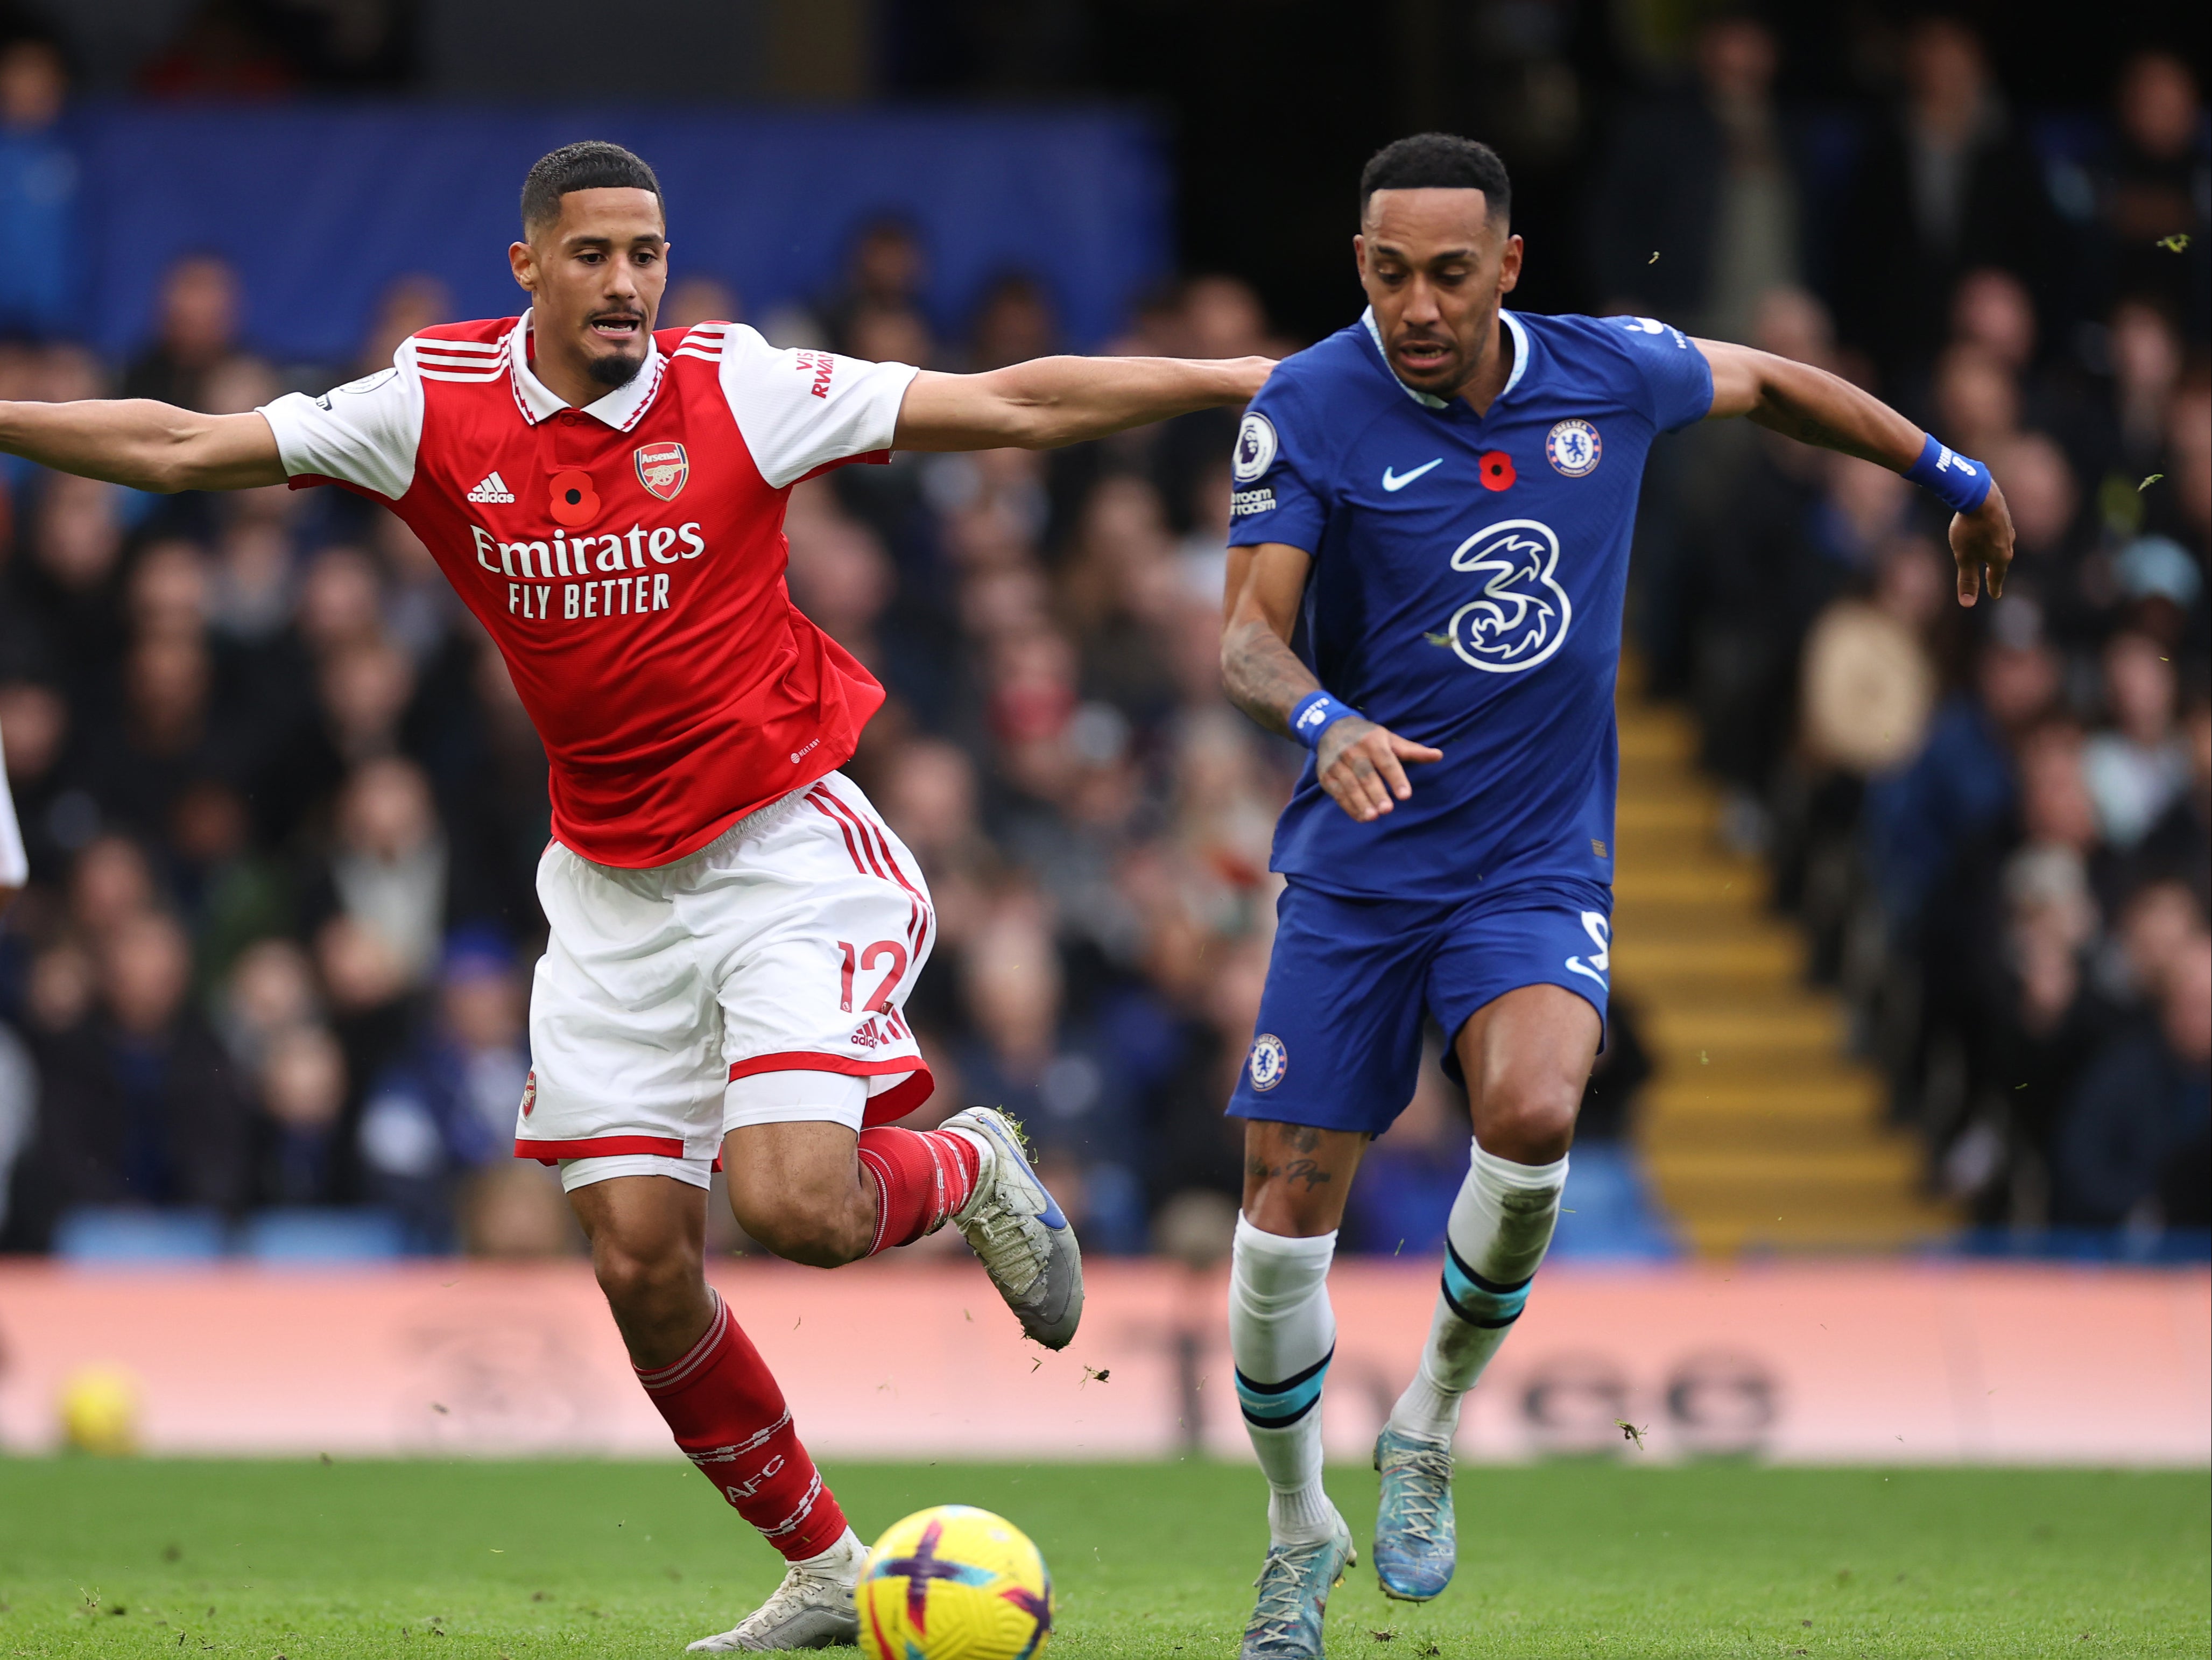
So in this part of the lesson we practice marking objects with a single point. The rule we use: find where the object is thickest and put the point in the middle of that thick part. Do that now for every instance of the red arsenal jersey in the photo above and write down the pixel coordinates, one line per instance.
(627, 556)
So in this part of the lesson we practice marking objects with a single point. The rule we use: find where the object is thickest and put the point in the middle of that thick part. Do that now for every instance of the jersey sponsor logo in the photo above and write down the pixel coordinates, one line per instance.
(1573, 447)
(1600, 929)
(1523, 613)
(491, 488)
(819, 364)
(663, 468)
(1243, 501)
(573, 499)
(1394, 481)
(1255, 447)
(1269, 1061)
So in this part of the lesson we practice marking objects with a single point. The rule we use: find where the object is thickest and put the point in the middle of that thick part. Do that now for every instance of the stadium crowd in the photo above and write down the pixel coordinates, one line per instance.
(282, 809)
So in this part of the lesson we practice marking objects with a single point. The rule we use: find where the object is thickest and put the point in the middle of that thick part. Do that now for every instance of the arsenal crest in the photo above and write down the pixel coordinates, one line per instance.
(662, 469)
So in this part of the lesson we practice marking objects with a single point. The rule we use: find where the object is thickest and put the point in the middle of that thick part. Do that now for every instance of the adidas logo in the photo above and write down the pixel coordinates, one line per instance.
(493, 489)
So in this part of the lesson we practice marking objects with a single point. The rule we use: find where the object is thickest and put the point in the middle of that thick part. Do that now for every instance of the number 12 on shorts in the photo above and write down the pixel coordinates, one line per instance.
(864, 961)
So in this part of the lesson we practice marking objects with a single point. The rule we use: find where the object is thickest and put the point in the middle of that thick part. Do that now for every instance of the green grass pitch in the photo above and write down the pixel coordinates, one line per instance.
(506, 1561)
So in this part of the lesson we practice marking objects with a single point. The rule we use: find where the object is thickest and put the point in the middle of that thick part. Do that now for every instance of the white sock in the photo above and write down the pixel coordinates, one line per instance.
(1500, 1225)
(842, 1561)
(1281, 1335)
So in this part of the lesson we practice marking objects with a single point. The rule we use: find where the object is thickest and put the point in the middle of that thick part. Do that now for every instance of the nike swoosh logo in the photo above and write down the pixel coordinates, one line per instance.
(1394, 481)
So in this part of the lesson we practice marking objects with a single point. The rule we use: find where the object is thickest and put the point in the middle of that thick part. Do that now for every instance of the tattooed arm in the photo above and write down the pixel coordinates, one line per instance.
(1360, 765)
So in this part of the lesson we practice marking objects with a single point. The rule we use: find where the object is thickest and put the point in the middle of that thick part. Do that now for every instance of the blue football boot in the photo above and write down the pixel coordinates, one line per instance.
(1294, 1585)
(1416, 1543)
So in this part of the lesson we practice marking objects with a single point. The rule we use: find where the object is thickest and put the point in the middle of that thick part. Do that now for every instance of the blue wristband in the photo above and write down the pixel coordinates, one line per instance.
(1962, 484)
(1316, 712)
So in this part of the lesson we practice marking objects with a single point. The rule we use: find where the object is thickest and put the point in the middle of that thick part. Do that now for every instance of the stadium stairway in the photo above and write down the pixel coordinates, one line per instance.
(1758, 1129)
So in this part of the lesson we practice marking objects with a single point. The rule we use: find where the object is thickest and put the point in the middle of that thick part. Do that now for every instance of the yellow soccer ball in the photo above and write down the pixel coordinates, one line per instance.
(100, 1411)
(954, 1583)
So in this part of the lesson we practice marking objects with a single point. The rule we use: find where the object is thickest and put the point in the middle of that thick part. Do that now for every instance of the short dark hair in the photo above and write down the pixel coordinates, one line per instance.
(1439, 161)
(593, 164)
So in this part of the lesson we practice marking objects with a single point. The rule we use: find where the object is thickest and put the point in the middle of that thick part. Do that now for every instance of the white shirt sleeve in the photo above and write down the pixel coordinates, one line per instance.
(799, 410)
(364, 433)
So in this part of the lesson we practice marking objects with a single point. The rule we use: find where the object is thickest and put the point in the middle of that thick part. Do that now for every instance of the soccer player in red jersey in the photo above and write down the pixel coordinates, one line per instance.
(733, 929)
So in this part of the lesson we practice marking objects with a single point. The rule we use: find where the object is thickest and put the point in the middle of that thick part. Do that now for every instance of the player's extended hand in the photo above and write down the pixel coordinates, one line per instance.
(1360, 765)
(1981, 543)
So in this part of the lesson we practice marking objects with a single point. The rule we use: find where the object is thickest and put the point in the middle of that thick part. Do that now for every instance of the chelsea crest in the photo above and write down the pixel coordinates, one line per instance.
(1572, 448)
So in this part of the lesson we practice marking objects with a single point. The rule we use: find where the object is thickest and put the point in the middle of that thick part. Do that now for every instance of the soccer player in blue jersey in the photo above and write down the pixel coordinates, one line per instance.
(1430, 544)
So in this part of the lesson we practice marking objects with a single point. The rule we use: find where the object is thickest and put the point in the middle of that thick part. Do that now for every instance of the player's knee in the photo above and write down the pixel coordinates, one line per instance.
(639, 1284)
(817, 1236)
(1531, 1121)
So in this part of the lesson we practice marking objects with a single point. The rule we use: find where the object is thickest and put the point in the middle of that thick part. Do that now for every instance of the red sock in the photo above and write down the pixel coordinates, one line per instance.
(921, 1178)
(730, 1419)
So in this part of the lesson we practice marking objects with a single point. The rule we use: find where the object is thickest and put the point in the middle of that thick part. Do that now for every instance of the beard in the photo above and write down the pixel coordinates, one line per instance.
(615, 370)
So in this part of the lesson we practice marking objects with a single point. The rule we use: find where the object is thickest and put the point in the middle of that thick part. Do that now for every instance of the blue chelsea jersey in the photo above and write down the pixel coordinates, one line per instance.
(1466, 589)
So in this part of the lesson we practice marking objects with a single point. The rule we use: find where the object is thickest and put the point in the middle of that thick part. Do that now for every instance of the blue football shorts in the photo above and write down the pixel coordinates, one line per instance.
(1338, 1043)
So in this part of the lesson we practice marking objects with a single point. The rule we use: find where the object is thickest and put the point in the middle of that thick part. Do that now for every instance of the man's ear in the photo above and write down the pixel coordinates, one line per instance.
(1359, 256)
(1508, 266)
(522, 260)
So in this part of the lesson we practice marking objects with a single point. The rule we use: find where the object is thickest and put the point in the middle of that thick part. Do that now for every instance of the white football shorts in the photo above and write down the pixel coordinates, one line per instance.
(759, 981)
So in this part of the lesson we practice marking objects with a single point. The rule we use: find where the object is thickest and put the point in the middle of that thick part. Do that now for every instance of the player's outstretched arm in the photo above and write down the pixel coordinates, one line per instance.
(1814, 407)
(1050, 401)
(1360, 765)
(145, 445)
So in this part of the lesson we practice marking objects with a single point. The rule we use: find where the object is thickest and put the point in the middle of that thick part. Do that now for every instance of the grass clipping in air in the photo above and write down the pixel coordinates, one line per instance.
(311, 1560)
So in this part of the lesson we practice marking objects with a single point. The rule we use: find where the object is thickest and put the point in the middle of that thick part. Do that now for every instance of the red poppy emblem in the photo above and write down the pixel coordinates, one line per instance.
(575, 502)
(662, 469)
(1497, 472)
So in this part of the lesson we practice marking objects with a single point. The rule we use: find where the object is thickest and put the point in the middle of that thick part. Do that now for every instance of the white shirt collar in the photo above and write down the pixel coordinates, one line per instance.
(620, 409)
(1426, 400)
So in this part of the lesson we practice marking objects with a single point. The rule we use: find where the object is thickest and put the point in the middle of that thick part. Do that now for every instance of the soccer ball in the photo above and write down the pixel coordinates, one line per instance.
(954, 1583)
(100, 1411)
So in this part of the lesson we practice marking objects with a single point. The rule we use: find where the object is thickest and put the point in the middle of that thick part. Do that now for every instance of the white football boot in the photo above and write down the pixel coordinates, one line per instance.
(813, 1609)
(1019, 1232)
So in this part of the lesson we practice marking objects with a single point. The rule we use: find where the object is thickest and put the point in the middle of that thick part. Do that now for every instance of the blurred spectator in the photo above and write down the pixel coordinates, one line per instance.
(2144, 1099)
(1870, 682)
(1960, 784)
(2179, 845)
(448, 1105)
(1062, 1084)
(408, 304)
(1948, 186)
(884, 279)
(1695, 215)
(1014, 322)
(387, 867)
(268, 992)
(196, 329)
(303, 1091)
(141, 1105)
(516, 1210)
(2136, 770)
(1413, 1170)
(39, 176)
(698, 298)
(2158, 184)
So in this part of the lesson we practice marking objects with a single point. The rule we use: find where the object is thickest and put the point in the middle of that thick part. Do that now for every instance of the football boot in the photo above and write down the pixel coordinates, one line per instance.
(1016, 1227)
(1416, 1540)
